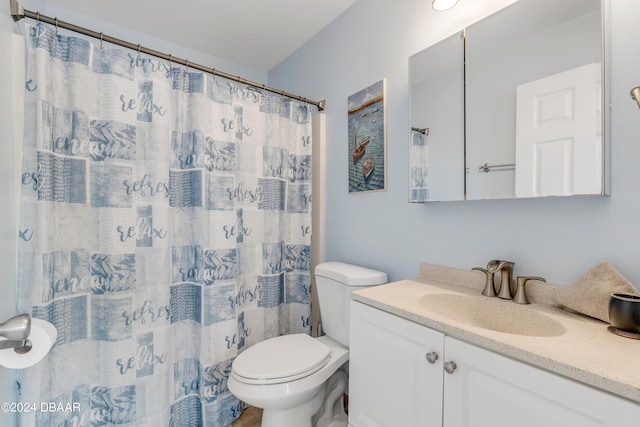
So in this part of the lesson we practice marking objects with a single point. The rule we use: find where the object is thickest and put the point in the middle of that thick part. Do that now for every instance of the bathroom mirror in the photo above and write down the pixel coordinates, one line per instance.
(532, 95)
(437, 121)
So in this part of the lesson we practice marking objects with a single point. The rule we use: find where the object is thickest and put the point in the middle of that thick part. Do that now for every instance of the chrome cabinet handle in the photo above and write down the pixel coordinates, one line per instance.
(449, 367)
(432, 357)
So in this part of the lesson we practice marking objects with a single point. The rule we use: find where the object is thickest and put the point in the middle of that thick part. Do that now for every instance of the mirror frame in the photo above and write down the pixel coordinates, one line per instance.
(605, 64)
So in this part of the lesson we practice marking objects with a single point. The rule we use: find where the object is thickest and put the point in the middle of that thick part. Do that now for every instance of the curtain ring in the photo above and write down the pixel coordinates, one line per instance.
(56, 27)
(138, 50)
(39, 27)
(170, 60)
(186, 65)
(101, 40)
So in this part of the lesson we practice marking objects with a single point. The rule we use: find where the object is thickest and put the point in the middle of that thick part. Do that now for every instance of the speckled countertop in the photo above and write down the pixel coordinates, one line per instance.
(585, 352)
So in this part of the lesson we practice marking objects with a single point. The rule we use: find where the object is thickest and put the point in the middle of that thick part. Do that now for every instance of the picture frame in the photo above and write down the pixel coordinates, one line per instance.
(367, 145)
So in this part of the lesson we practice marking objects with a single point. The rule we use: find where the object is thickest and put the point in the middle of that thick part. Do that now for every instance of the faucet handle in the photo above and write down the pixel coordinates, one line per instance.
(521, 296)
(494, 265)
(498, 264)
(489, 286)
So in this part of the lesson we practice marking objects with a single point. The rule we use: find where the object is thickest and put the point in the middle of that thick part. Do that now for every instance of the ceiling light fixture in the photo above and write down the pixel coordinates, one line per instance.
(440, 5)
(635, 94)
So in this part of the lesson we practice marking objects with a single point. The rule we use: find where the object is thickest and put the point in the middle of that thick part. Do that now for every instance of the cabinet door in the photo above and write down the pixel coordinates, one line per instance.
(391, 382)
(488, 389)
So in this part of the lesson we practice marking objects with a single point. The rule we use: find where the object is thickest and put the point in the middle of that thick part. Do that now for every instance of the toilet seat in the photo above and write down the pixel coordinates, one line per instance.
(281, 359)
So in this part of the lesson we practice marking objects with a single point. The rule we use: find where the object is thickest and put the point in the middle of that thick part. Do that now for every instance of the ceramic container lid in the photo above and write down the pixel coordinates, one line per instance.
(350, 275)
(281, 359)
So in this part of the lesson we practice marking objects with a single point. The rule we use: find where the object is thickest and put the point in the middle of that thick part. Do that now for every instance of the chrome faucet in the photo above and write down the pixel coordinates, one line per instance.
(506, 276)
(505, 268)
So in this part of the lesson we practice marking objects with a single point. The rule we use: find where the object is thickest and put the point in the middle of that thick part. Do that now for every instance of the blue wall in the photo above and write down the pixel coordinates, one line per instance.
(557, 238)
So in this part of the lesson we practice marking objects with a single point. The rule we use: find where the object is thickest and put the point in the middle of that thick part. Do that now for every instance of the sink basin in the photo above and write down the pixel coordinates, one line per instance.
(494, 314)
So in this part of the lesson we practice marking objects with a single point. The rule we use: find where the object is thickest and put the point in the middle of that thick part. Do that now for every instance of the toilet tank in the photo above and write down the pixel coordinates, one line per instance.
(335, 281)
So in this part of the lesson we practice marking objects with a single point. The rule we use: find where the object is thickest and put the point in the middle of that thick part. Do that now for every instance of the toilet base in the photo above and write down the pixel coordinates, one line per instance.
(327, 407)
(300, 416)
(331, 413)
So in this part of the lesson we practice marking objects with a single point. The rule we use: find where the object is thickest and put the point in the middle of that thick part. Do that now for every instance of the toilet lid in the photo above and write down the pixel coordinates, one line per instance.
(281, 359)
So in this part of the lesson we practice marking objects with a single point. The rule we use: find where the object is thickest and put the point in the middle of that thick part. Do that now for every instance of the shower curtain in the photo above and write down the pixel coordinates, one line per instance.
(166, 222)
(418, 167)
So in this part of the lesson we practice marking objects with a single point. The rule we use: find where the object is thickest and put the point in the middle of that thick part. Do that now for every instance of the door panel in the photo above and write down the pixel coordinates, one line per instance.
(559, 134)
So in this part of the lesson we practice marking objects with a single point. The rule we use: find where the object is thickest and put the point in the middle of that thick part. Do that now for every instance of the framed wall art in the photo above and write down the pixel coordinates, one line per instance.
(367, 147)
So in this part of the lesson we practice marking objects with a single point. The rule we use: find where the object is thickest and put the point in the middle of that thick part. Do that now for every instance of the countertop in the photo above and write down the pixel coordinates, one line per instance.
(586, 352)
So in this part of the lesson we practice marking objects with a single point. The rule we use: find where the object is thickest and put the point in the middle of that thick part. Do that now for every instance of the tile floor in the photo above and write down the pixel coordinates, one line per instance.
(251, 417)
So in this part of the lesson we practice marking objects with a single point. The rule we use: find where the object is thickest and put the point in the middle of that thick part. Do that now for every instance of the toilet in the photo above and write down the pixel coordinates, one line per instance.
(296, 379)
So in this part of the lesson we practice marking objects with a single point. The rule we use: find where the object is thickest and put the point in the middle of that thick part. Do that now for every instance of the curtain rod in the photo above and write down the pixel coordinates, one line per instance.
(18, 13)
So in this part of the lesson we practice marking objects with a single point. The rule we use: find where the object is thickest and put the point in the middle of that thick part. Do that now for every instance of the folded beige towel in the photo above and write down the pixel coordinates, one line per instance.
(590, 293)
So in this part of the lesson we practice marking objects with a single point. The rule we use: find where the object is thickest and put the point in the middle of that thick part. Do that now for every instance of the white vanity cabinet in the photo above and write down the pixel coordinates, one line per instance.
(393, 384)
(488, 389)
